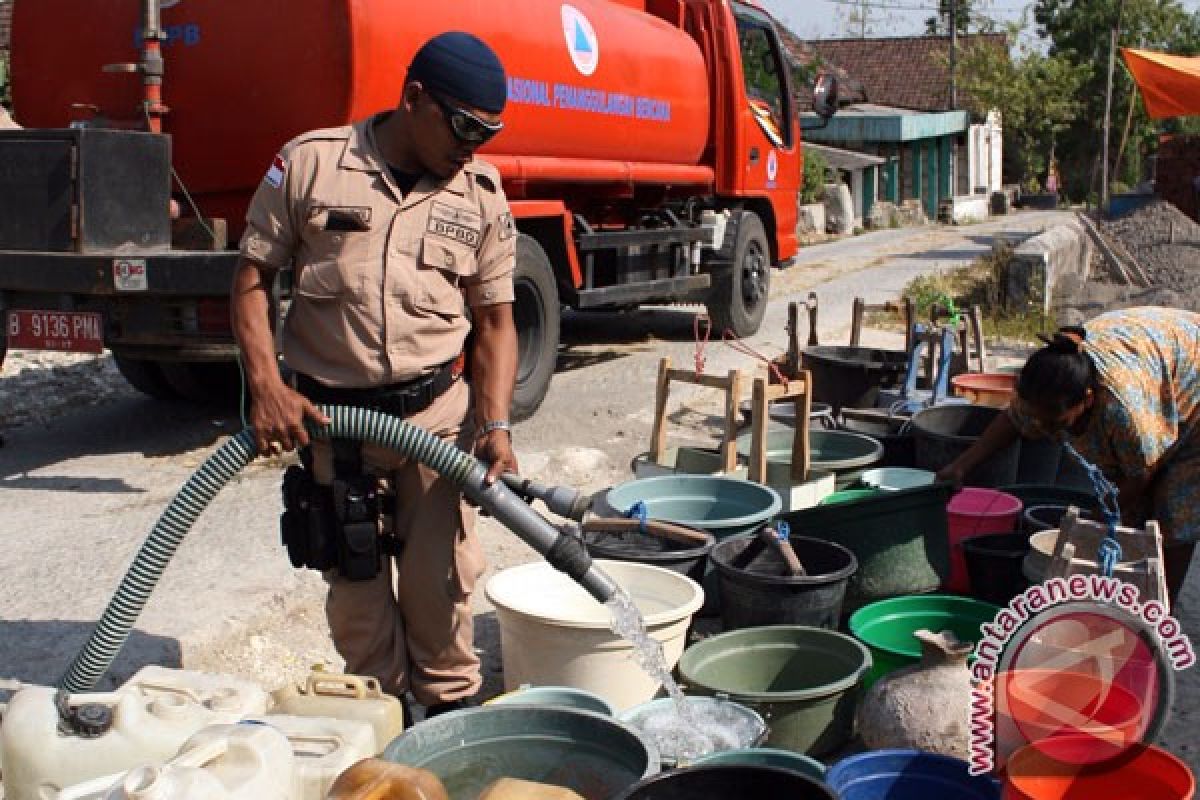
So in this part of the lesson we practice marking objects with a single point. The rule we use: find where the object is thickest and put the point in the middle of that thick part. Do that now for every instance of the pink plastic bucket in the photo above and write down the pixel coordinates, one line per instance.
(975, 512)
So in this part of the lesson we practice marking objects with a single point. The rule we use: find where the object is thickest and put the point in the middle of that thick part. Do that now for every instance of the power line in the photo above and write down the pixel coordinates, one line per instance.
(901, 7)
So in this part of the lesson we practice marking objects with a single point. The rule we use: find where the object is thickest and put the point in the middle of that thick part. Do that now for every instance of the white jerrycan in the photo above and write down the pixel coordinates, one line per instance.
(50, 740)
(220, 693)
(323, 748)
(327, 694)
(221, 762)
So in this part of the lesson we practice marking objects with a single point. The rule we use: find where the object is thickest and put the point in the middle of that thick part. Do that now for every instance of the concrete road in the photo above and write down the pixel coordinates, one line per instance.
(79, 490)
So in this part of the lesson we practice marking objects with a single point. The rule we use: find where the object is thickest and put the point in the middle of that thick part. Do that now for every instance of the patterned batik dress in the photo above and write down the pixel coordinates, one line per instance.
(1145, 418)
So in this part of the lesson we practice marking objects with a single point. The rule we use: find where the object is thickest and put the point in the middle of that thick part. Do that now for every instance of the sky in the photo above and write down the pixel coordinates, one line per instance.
(812, 19)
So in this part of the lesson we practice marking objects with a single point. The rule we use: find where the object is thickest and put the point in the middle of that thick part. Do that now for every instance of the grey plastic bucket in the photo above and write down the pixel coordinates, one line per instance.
(565, 696)
(943, 433)
(755, 589)
(593, 754)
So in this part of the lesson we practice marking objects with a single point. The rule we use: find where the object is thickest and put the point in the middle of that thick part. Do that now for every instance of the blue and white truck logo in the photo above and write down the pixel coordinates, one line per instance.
(582, 43)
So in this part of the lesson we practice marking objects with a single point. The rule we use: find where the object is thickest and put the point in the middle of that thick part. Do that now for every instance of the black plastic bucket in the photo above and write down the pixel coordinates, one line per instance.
(994, 566)
(756, 589)
(1047, 517)
(852, 376)
(654, 550)
(729, 782)
(899, 447)
(943, 433)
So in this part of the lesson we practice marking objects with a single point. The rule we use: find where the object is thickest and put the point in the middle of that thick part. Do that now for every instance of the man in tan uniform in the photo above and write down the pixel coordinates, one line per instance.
(390, 225)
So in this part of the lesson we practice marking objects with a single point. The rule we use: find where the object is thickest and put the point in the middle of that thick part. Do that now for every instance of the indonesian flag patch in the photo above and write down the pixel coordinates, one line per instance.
(276, 172)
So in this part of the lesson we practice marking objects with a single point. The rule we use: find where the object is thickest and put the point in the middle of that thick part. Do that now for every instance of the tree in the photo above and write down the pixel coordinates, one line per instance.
(1080, 33)
(864, 19)
(1036, 94)
(940, 24)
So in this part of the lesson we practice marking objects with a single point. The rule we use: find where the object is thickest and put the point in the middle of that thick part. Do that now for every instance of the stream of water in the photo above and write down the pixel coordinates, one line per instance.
(689, 729)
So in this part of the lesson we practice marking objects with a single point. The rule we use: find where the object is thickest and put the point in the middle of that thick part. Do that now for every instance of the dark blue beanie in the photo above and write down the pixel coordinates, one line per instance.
(462, 67)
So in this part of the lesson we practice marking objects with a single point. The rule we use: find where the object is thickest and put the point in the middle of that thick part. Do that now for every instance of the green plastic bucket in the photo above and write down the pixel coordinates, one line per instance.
(899, 539)
(767, 757)
(589, 753)
(848, 496)
(887, 627)
(803, 681)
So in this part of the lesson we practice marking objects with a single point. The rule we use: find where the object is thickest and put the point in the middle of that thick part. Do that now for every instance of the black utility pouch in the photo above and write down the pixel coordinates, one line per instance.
(309, 524)
(359, 553)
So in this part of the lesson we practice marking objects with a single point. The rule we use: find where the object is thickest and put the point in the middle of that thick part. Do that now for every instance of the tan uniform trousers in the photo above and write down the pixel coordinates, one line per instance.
(411, 626)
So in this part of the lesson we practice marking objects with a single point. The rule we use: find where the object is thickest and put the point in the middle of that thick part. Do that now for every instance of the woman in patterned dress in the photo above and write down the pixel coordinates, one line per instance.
(1124, 391)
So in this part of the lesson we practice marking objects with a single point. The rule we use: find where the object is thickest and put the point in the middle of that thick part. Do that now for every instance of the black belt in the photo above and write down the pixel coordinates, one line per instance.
(397, 399)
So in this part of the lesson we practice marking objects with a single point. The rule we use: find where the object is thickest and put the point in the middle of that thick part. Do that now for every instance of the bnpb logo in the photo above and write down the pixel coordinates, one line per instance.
(581, 39)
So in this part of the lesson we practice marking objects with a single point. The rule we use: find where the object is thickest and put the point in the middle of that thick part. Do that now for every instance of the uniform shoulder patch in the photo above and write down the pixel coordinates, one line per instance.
(507, 227)
(277, 172)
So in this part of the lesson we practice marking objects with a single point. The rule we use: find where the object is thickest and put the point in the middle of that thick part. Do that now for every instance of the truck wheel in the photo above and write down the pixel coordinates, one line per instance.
(146, 377)
(739, 296)
(210, 383)
(536, 314)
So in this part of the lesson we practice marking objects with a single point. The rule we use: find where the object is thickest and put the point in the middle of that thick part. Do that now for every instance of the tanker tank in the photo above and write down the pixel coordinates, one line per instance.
(589, 81)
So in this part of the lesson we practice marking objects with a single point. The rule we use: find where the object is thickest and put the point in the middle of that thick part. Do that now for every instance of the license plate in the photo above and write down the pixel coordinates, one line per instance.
(71, 331)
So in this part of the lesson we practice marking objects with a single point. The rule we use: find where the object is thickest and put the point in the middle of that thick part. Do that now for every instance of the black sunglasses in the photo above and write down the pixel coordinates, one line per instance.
(466, 127)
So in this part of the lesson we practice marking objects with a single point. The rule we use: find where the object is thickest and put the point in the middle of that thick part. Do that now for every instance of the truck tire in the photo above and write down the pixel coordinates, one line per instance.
(146, 377)
(536, 314)
(210, 383)
(738, 300)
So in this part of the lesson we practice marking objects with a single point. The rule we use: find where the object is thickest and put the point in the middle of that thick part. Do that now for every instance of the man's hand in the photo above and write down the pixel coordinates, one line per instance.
(278, 416)
(495, 449)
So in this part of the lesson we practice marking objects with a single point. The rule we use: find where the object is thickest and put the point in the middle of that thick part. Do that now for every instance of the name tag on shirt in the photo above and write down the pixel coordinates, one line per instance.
(348, 219)
(457, 224)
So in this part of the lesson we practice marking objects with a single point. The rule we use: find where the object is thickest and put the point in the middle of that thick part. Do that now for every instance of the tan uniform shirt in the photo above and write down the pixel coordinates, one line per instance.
(380, 276)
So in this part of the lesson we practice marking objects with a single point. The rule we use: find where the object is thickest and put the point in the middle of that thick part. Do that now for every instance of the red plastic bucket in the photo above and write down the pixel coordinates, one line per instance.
(975, 512)
(1144, 773)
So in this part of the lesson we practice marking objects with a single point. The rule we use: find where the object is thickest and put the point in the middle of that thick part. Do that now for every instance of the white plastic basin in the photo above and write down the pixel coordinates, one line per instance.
(553, 633)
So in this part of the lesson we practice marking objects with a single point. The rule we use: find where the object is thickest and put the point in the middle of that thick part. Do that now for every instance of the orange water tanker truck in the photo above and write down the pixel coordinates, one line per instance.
(651, 154)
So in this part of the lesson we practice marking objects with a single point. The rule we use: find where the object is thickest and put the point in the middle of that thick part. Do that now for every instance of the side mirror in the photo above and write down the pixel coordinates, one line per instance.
(825, 95)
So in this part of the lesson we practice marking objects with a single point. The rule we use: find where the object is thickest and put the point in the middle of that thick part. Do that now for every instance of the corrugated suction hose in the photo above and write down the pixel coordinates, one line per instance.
(563, 552)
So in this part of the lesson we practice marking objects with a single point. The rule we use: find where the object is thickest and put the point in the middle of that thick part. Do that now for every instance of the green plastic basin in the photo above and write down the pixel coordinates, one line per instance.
(590, 753)
(887, 627)
(720, 505)
(804, 681)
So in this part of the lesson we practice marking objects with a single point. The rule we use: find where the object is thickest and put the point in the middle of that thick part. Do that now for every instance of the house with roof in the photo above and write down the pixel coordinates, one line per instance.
(920, 144)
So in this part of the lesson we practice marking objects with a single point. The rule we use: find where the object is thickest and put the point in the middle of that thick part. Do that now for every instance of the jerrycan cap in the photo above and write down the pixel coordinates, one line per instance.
(89, 720)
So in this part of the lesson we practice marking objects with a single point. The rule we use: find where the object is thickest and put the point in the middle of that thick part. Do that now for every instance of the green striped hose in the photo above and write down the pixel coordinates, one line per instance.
(156, 552)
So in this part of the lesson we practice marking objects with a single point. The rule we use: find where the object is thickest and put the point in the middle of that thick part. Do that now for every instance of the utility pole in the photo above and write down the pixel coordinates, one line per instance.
(1112, 63)
(953, 54)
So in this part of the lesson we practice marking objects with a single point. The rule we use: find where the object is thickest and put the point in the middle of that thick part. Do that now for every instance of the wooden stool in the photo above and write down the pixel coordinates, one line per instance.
(730, 384)
(764, 394)
(1077, 549)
